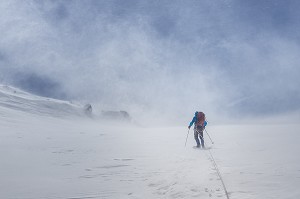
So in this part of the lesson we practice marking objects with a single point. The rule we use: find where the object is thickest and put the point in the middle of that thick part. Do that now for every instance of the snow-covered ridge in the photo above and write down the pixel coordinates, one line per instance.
(19, 100)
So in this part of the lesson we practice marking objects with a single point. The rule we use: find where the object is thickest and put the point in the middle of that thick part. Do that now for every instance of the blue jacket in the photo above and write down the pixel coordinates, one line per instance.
(195, 120)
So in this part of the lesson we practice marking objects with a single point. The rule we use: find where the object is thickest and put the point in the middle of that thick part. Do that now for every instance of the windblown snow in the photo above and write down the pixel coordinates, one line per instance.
(49, 149)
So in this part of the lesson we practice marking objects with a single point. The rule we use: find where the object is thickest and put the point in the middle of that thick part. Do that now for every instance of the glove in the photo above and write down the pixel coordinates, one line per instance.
(205, 123)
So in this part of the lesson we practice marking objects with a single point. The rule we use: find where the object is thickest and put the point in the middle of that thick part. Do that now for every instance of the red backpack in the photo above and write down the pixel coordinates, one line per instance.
(200, 119)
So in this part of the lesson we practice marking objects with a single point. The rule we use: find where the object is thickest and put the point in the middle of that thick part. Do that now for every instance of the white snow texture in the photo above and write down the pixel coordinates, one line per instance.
(50, 150)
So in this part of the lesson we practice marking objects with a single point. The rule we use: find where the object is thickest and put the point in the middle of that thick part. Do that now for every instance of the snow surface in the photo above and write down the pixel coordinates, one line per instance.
(49, 150)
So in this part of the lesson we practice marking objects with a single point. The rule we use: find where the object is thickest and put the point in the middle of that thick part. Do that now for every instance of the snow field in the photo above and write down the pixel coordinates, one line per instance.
(58, 153)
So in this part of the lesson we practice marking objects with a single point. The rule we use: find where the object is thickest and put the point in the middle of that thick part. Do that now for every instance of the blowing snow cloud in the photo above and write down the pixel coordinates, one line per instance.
(172, 56)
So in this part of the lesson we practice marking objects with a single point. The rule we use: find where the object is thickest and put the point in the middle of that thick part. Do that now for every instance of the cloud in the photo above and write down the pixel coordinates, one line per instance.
(167, 58)
(40, 85)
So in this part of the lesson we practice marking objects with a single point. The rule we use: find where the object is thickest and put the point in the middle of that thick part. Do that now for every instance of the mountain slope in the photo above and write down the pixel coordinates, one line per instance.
(18, 100)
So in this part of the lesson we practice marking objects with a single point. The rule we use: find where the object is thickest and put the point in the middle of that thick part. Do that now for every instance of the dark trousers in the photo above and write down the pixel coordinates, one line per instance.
(198, 133)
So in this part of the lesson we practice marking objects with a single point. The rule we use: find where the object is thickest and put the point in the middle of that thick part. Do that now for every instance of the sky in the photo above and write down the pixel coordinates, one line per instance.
(163, 58)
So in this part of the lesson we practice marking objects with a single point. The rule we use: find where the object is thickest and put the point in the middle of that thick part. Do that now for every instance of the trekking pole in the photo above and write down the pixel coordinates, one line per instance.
(186, 137)
(209, 137)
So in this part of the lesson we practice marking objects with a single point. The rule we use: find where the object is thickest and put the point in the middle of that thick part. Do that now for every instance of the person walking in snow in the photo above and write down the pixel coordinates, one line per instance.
(199, 126)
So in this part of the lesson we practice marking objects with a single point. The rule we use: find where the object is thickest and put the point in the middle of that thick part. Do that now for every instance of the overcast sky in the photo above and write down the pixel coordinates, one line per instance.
(168, 57)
